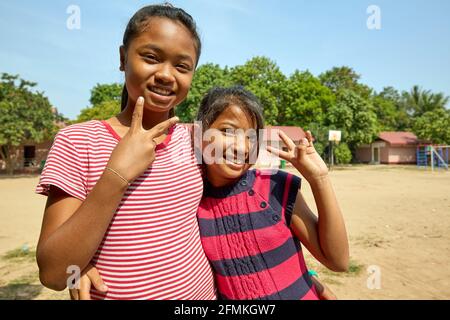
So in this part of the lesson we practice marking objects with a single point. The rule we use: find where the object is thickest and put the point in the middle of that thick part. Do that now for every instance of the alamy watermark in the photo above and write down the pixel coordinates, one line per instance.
(73, 281)
(233, 146)
(374, 280)
(374, 20)
(73, 21)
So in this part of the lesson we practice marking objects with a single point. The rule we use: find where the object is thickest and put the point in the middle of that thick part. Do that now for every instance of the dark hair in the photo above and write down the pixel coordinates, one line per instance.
(218, 99)
(141, 19)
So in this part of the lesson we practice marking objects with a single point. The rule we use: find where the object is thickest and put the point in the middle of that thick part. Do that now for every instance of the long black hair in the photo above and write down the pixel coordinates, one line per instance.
(141, 19)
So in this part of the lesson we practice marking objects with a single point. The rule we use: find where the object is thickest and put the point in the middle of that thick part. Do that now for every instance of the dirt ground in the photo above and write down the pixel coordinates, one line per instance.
(398, 220)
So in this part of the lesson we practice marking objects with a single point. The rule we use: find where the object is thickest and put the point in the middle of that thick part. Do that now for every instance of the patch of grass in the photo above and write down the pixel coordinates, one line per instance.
(20, 253)
(20, 291)
(25, 280)
(23, 288)
(354, 268)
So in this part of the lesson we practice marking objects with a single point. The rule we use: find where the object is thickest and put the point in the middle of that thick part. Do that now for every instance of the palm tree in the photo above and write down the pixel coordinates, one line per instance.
(419, 101)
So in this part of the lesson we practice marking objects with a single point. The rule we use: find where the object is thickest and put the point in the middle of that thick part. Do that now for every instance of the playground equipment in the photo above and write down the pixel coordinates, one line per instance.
(436, 156)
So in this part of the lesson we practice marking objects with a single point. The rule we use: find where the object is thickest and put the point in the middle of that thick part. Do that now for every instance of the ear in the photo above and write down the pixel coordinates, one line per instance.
(122, 58)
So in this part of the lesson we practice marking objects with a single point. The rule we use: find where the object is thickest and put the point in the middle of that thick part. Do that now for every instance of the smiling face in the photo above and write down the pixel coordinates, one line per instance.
(159, 64)
(235, 147)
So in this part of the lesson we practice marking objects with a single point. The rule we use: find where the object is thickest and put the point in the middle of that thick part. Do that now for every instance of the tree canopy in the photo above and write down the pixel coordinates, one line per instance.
(333, 100)
(25, 116)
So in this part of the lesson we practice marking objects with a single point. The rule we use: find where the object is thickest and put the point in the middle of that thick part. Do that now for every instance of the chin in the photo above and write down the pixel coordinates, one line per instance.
(157, 108)
(230, 173)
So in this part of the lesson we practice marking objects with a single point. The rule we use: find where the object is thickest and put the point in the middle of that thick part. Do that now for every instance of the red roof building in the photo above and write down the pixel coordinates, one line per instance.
(390, 148)
(295, 133)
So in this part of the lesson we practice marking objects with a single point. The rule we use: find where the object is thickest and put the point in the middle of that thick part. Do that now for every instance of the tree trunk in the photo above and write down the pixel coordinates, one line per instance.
(6, 155)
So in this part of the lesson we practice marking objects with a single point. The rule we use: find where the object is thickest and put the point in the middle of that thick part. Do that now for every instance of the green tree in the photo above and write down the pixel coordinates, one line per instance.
(304, 100)
(102, 111)
(106, 92)
(342, 153)
(419, 101)
(25, 116)
(344, 78)
(207, 76)
(434, 126)
(263, 77)
(391, 111)
(105, 102)
(354, 116)
(320, 134)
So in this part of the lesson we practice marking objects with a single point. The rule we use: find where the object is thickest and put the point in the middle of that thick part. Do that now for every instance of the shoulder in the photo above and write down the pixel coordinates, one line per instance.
(283, 191)
(181, 136)
(82, 128)
(279, 184)
(82, 133)
(277, 178)
(183, 130)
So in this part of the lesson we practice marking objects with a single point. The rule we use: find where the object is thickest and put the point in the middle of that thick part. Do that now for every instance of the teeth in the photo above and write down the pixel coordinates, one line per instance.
(160, 91)
(236, 162)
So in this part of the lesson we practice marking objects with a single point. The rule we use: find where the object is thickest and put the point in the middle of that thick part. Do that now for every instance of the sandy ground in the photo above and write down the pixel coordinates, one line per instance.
(398, 220)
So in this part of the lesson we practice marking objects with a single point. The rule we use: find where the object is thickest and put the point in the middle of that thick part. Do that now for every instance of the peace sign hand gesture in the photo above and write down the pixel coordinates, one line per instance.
(137, 149)
(303, 157)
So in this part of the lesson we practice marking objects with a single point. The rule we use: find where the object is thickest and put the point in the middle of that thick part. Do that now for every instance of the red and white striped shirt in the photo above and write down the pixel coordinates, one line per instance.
(152, 248)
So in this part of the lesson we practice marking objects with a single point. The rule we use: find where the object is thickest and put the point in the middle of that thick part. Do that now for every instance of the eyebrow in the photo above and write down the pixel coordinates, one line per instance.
(227, 122)
(180, 56)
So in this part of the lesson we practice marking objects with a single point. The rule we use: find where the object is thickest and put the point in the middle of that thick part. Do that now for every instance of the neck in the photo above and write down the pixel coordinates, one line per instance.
(219, 182)
(149, 118)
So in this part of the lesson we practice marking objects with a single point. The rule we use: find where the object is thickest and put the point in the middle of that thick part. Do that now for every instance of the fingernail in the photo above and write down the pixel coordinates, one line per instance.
(104, 288)
(140, 100)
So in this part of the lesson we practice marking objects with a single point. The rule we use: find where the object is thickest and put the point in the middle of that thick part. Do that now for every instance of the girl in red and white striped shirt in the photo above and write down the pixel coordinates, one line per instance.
(123, 193)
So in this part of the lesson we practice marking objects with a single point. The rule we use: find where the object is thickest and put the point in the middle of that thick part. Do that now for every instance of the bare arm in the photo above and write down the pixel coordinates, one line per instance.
(72, 230)
(324, 236)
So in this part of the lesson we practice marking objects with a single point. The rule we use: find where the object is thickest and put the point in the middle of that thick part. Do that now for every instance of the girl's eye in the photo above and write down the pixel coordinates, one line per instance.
(183, 68)
(228, 132)
(151, 58)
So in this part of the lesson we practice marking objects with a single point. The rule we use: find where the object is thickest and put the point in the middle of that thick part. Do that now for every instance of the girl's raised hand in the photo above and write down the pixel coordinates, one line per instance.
(303, 156)
(136, 150)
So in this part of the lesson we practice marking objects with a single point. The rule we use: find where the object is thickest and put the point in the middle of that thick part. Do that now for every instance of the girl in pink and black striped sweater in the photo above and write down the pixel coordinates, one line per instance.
(253, 222)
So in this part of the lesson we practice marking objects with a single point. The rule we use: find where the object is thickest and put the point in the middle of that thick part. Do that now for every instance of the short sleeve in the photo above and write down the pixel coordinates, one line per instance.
(63, 169)
(284, 189)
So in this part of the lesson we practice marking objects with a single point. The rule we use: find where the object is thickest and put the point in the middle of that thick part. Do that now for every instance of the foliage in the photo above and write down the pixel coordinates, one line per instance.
(344, 78)
(304, 100)
(434, 125)
(419, 101)
(102, 111)
(207, 76)
(106, 92)
(342, 153)
(264, 78)
(25, 116)
(354, 116)
(334, 100)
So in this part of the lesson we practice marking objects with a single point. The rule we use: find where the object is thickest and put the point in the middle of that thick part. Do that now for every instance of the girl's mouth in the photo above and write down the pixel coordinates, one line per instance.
(161, 91)
(233, 163)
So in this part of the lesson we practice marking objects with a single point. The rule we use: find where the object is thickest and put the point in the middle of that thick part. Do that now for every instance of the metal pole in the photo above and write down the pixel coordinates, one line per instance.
(332, 153)
(432, 158)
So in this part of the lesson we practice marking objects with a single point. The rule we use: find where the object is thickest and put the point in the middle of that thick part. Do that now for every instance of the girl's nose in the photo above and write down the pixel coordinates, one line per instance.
(240, 148)
(164, 74)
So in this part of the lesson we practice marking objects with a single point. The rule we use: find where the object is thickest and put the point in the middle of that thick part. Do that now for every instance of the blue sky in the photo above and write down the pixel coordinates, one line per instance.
(412, 46)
